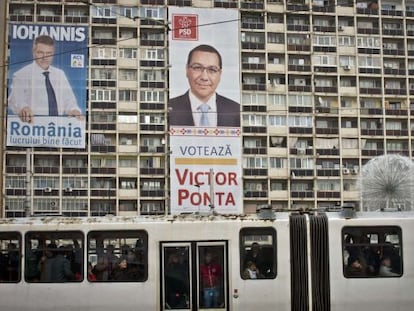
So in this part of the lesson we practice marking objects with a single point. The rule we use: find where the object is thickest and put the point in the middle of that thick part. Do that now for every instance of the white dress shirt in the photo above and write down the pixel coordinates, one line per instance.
(212, 113)
(28, 89)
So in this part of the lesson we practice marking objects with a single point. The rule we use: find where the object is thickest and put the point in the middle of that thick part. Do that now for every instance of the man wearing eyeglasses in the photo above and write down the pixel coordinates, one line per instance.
(201, 106)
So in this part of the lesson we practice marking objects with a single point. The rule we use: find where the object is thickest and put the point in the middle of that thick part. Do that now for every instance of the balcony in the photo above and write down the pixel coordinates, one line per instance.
(372, 132)
(327, 131)
(260, 150)
(302, 194)
(255, 172)
(328, 172)
(300, 130)
(329, 194)
(372, 152)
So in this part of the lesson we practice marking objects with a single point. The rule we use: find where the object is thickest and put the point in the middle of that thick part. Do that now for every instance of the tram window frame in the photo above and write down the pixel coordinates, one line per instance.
(6, 239)
(110, 236)
(380, 242)
(249, 236)
(49, 243)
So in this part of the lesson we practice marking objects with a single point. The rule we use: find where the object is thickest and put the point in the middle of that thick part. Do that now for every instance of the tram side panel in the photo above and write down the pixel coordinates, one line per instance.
(357, 280)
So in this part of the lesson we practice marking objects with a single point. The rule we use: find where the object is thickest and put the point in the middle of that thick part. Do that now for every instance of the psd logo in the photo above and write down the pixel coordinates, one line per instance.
(185, 27)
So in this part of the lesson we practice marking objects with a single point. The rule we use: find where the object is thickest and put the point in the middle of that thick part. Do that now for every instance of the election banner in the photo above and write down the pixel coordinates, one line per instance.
(47, 80)
(204, 111)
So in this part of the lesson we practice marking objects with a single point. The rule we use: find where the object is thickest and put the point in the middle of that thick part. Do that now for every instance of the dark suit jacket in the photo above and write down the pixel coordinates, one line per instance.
(228, 111)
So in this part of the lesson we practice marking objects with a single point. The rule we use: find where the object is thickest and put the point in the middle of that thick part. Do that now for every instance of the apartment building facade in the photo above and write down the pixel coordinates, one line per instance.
(325, 87)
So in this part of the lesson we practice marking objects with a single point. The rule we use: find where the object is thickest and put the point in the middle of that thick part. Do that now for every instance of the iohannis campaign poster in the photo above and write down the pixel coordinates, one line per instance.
(47, 81)
(205, 154)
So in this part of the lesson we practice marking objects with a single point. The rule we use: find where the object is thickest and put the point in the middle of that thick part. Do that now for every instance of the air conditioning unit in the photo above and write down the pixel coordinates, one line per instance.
(347, 67)
(47, 189)
(341, 28)
(345, 171)
(301, 151)
(355, 171)
(68, 189)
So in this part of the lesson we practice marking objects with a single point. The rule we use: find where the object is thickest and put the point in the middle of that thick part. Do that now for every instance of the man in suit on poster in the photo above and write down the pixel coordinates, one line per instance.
(40, 89)
(201, 106)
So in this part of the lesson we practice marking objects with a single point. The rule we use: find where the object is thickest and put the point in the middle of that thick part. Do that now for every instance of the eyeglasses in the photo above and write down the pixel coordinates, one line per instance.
(211, 70)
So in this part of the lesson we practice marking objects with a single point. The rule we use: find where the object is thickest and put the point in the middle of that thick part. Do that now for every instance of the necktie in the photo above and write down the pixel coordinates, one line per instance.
(51, 96)
(204, 108)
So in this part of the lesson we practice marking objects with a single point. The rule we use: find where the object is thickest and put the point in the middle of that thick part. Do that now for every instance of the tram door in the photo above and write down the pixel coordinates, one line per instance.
(194, 276)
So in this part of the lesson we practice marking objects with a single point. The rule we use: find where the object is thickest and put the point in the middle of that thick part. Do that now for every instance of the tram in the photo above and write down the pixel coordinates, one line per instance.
(285, 261)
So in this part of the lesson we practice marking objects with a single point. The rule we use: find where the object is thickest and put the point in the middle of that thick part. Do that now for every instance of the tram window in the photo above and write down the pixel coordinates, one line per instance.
(258, 253)
(10, 257)
(54, 257)
(372, 252)
(117, 256)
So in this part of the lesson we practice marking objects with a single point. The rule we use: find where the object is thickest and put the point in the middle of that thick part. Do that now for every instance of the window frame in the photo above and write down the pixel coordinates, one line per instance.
(111, 235)
(243, 248)
(370, 232)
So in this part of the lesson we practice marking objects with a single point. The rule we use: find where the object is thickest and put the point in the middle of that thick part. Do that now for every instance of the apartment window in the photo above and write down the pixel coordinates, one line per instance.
(103, 117)
(15, 161)
(103, 74)
(128, 53)
(301, 163)
(300, 101)
(152, 75)
(152, 12)
(273, 37)
(254, 120)
(276, 185)
(277, 120)
(301, 186)
(254, 143)
(151, 207)
(152, 185)
(346, 60)
(100, 11)
(155, 118)
(15, 182)
(127, 118)
(277, 162)
(298, 121)
(102, 95)
(252, 37)
(41, 182)
(369, 61)
(395, 145)
(150, 141)
(324, 41)
(327, 185)
(153, 54)
(103, 34)
(276, 100)
(152, 35)
(256, 162)
(128, 74)
(128, 12)
(369, 42)
(325, 60)
(128, 162)
(128, 183)
(346, 41)
(103, 53)
(103, 162)
(127, 139)
(127, 95)
(393, 125)
(152, 96)
(253, 99)
(74, 206)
